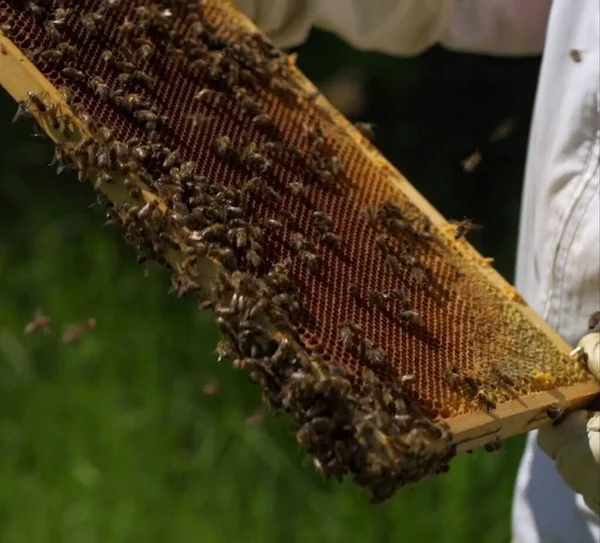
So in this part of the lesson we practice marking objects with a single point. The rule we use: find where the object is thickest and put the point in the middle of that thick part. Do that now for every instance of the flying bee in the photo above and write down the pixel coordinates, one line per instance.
(594, 320)
(470, 163)
(331, 240)
(74, 333)
(575, 55)
(366, 129)
(72, 73)
(413, 317)
(463, 227)
(39, 323)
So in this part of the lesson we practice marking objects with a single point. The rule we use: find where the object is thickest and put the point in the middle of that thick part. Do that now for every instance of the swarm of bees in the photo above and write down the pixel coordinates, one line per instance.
(324, 290)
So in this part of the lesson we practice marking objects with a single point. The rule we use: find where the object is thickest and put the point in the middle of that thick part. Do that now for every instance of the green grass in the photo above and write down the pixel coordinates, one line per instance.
(114, 441)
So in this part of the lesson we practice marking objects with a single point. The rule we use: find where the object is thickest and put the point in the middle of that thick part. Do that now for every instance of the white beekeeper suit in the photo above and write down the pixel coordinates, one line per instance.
(558, 269)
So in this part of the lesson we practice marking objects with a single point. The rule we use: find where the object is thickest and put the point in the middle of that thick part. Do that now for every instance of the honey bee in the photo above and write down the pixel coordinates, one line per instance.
(225, 349)
(205, 94)
(348, 333)
(376, 356)
(485, 400)
(223, 146)
(199, 119)
(392, 264)
(312, 260)
(75, 333)
(143, 78)
(91, 21)
(72, 73)
(262, 119)
(52, 31)
(255, 159)
(353, 291)
(554, 412)
(463, 227)
(39, 323)
(145, 115)
(366, 129)
(384, 243)
(453, 377)
(407, 380)
(371, 216)
(379, 299)
(66, 95)
(413, 317)
(37, 100)
(50, 56)
(331, 240)
(322, 218)
(315, 136)
(296, 187)
(421, 277)
(430, 427)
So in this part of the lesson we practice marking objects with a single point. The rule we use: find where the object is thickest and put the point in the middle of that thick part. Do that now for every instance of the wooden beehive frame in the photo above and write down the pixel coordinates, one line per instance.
(19, 77)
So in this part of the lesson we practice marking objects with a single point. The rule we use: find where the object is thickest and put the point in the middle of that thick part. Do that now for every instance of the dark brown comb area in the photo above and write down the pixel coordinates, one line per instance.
(320, 247)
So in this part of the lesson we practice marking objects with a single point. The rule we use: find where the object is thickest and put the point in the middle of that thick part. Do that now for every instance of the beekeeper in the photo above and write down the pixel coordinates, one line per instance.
(557, 494)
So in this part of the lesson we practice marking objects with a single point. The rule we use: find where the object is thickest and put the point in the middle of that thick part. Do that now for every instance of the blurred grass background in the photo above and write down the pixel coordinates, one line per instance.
(116, 440)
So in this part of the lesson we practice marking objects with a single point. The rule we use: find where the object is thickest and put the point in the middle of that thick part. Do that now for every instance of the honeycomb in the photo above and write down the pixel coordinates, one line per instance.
(367, 322)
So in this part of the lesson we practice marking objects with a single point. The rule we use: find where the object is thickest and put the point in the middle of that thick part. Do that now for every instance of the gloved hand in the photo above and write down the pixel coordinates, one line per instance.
(575, 443)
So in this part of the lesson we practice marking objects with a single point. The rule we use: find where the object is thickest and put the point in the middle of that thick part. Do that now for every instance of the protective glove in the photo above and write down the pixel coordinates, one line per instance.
(575, 443)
